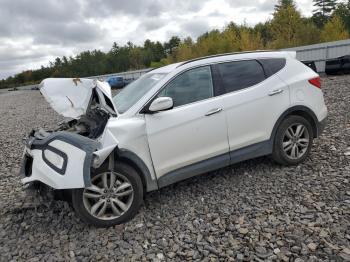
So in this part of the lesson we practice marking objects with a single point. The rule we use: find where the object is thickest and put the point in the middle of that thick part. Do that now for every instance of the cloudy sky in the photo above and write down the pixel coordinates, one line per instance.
(34, 32)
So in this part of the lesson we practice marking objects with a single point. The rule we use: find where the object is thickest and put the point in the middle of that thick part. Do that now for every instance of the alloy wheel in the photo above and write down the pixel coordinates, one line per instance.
(109, 196)
(296, 141)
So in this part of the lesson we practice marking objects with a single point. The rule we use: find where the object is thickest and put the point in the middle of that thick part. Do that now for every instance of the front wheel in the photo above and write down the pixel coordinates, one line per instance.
(293, 141)
(114, 197)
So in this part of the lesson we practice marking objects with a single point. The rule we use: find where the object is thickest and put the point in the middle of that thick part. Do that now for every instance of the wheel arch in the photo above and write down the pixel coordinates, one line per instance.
(130, 158)
(302, 111)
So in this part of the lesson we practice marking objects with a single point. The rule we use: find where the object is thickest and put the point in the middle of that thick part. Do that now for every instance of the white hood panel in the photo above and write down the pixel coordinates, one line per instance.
(70, 97)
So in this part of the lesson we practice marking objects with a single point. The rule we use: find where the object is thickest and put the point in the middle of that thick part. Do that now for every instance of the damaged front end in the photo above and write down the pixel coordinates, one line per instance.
(60, 160)
(63, 158)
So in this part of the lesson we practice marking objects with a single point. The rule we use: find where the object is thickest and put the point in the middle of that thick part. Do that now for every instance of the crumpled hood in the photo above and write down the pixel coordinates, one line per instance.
(70, 97)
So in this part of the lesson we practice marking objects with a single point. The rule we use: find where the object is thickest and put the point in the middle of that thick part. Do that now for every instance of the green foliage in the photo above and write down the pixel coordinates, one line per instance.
(323, 10)
(284, 26)
(343, 11)
(283, 4)
(287, 28)
(333, 30)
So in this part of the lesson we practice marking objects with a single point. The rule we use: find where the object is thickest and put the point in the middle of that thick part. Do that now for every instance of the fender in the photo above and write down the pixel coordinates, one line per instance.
(132, 159)
(290, 111)
(128, 156)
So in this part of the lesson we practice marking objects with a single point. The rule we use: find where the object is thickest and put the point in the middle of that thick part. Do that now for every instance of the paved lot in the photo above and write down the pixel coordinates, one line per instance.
(255, 210)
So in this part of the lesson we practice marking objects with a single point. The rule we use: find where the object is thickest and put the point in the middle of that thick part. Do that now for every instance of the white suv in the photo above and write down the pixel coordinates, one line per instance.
(172, 123)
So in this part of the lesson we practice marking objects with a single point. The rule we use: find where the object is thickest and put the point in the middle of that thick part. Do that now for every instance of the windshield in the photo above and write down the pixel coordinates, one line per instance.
(135, 91)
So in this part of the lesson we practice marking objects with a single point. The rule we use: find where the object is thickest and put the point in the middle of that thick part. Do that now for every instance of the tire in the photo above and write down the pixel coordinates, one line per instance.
(85, 200)
(282, 153)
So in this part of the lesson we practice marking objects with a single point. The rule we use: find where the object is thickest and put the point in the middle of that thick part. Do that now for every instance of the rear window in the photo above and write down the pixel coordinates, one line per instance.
(238, 75)
(272, 65)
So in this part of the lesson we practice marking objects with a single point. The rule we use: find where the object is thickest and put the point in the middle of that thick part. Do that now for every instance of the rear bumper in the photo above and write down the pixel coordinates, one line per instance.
(321, 126)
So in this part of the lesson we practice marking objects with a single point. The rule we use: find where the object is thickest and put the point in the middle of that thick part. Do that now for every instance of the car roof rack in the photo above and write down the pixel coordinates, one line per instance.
(224, 54)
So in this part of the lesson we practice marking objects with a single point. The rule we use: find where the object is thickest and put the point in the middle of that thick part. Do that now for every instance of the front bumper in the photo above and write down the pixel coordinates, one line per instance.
(72, 154)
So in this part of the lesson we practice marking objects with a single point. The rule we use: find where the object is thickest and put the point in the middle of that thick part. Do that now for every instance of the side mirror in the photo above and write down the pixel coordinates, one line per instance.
(161, 104)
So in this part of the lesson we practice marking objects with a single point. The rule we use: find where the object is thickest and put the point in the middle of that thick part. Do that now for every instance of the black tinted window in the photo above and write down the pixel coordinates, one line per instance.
(240, 74)
(191, 86)
(272, 65)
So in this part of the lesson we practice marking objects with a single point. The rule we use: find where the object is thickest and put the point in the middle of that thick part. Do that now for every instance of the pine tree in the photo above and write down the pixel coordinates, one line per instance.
(284, 27)
(283, 4)
(323, 11)
(334, 30)
(343, 11)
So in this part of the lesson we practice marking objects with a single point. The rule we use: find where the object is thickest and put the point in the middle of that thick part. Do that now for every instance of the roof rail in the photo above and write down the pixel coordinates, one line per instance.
(224, 54)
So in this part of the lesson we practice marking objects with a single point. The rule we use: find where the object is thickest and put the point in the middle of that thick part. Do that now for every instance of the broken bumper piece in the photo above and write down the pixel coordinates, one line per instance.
(61, 160)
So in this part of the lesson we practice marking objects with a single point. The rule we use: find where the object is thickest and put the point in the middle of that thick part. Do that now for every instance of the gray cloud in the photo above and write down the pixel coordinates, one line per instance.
(47, 22)
(195, 27)
(152, 23)
(97, 8)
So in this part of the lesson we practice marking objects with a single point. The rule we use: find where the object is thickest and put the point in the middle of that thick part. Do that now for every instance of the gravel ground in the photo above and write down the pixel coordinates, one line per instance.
(255, 210)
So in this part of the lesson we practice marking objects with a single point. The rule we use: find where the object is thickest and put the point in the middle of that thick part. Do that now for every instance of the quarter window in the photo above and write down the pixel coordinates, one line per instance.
(272, 65)
(191, 86)
(240, 74)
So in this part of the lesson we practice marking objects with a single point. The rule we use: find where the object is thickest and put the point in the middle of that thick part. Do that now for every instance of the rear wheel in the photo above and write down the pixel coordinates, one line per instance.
(293, 141)
(114, 197)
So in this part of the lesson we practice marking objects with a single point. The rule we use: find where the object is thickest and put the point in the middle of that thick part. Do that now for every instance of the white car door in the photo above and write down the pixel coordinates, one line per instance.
(253, 102)
(190, 138)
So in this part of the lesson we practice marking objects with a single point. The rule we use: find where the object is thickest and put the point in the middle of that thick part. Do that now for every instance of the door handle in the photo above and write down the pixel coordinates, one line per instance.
(213, 111)
(275, 92)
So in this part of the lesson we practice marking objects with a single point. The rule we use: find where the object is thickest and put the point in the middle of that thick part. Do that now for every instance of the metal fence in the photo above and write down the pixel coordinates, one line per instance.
(320, 53)
(129, 75)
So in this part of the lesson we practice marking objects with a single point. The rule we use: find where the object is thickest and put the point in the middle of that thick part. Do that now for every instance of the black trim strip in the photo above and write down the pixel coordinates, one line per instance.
(194, 169)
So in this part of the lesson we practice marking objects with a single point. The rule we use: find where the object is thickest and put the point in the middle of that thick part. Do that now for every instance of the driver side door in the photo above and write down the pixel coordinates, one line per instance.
(190, 138)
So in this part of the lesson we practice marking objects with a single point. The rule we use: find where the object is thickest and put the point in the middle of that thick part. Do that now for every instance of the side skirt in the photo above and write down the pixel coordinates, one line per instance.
(214, 163)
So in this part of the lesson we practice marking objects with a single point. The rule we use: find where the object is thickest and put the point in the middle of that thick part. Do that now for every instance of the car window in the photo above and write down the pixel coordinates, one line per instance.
(240, 74)
(272, 65)
(191, 86)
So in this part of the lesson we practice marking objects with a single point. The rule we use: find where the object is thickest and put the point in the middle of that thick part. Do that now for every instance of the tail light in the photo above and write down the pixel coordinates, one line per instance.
(316, 82)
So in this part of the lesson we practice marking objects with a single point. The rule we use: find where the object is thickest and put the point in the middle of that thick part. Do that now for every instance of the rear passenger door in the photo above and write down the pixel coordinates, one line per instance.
(254, 98)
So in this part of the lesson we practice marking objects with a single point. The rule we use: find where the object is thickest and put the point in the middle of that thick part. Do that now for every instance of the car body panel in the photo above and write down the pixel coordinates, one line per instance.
(70, 97)
(185, 135)
(302, 93)
(129, 134)
(252, 112)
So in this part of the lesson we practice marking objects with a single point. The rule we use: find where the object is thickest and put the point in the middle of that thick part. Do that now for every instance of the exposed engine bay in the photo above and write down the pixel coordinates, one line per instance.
(90, 125)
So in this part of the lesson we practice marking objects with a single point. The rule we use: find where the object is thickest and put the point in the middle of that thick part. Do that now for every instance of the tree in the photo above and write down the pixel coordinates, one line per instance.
(285, 26)
(334, 30)
(283, 4)
(309, 33)
(264, 30)
(343, 11)
(172, 44)
(249, 40)
(323, 11)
